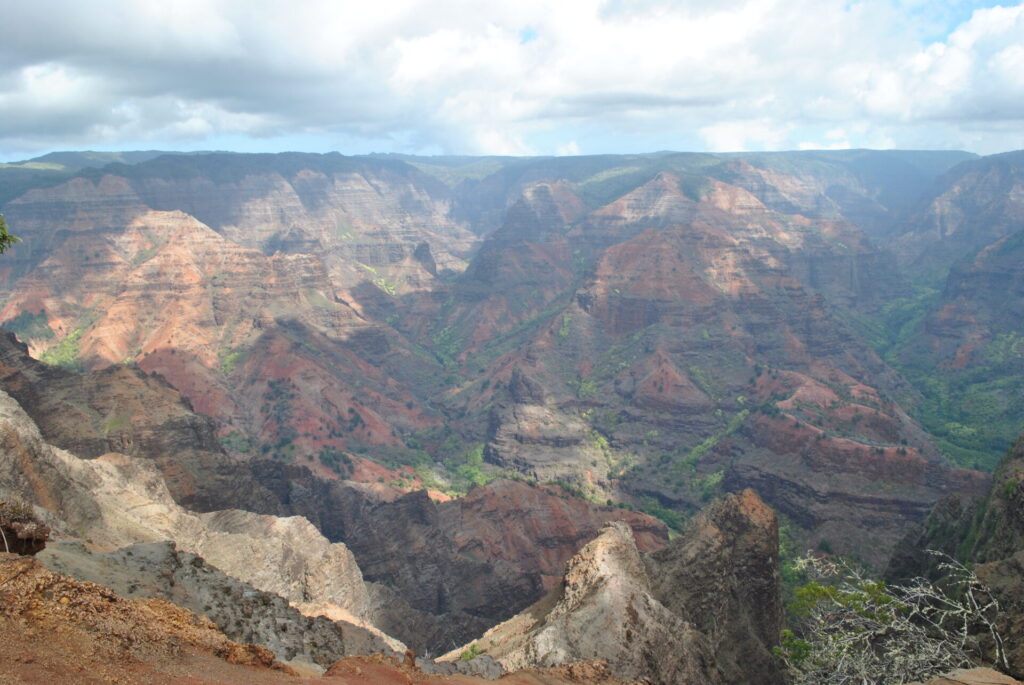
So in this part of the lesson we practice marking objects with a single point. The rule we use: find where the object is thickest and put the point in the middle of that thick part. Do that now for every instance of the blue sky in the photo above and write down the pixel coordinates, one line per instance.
(524, 77)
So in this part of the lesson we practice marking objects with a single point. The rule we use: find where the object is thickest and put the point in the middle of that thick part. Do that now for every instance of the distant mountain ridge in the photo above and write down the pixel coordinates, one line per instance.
(645, 328)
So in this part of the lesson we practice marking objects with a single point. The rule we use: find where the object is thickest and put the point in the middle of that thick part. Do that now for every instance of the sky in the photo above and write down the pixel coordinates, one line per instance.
(522, 77)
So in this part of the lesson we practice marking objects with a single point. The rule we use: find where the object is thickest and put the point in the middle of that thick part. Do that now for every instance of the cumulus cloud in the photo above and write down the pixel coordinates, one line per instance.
(518, 77)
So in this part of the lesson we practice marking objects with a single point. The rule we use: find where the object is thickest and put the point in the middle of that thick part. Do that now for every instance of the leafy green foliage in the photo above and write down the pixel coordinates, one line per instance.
(974, 412)
(585, 387)
(65, 353)
(236, 442)
(28, 326)
(230, 360)
(6, 239)
(471, 652)
(447, 345)
(563, 329)
(335, 460)
(710, 485)
(671, 518)
(471, 470)
(708, 443)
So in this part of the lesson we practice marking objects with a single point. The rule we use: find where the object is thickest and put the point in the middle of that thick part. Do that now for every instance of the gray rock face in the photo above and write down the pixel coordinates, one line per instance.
(705, 609)
(115, 500)
(243, 613)
(722, 575)
(543, 443)
(605, 610)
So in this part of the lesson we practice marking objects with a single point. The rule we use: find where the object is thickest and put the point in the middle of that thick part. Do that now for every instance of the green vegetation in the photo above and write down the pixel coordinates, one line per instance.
(672, 518)
(6, 239)
(389, 287)
(236, 442)
(585, 387)
(563, 329)
(702, 381)
(278, 406)
(116, 422)
(853, 628)
(335, 460)
(447, 345)
(230, 360)
(145, 255)
(599, 441)
(710, 485)
(691, 459)
(471, 470)
(471, 652)
(475, 169)
(975, 411)
(65, 353)
(28, 326)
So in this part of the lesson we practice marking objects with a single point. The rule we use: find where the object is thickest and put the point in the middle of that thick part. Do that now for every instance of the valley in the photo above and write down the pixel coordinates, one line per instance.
(462, 371)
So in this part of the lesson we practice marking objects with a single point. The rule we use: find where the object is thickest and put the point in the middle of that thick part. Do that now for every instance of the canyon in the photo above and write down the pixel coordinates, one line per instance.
(453, 376)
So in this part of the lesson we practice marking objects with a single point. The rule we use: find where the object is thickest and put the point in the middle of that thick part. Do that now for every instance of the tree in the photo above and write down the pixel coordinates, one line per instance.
(856, 630)
(6, 239)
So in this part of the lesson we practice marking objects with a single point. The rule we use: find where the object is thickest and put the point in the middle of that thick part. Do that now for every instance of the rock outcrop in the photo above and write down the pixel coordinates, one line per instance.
(705, 609)
(157, 570)
(443, 572)
(605, 610)
(463, 565)
(122, 409)
(115, 500)
(537, 528)
(722, 575)
(697, 342)
(972, 205)
(60, 630)
(972, 676)
(21, 532)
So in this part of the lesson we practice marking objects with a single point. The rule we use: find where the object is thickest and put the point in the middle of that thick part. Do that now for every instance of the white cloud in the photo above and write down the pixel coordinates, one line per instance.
(745, 135)
(608, 75)
(570, 148)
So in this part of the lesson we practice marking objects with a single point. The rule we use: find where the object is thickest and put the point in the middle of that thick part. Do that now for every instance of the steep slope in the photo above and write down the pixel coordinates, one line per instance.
(988, 533)
(974, 204)
(121, 409)
(535, 527)
(450, 561)
(722, 575)
(705, 609)
(192, 265)
(116, 500)
(157, 570)
(958, 337)
(604, 609)
(966, 351)
(445, 571)
(648, 328)
(686, 335)
(57, 629)
(871, 188)
(60, 630)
